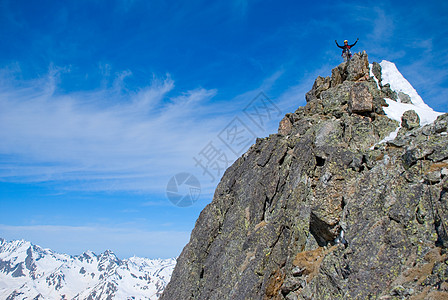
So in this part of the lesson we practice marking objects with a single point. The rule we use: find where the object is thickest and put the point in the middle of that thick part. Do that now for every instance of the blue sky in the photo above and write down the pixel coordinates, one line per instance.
(102, 102)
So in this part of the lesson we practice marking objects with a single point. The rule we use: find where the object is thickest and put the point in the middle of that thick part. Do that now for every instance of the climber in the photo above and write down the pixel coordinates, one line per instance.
(346, 49)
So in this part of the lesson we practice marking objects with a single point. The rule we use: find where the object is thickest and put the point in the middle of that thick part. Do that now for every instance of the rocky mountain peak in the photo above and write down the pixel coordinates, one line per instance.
(357, 69)
(348, 201)
(345, 110)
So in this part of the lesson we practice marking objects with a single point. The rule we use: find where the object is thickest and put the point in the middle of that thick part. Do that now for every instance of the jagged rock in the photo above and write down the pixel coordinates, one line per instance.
(337, 75)
(320, 84)
(290, 284)
(361, 100)
(376, 70)
(410, 120)
(404, 98)
(297, 271)
(434, 177)
(279, 214)
(285, 126)
(334, 99)
(378, 104)
(441, 124)
(388, 92)
(358, 67)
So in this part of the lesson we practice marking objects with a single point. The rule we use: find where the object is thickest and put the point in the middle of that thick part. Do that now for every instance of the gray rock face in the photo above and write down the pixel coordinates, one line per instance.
(320, 84)
(410, 119)
(358, 67)
(317, 213)
(285, 126)
(404, 98)
(376, 70)
(388, 92)
(360, 98)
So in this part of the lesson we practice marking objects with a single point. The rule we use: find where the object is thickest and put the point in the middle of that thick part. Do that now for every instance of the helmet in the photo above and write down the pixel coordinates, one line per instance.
(345, 41)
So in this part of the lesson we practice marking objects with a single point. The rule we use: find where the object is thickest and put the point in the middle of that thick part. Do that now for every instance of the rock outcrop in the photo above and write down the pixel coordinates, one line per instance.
(322, 210)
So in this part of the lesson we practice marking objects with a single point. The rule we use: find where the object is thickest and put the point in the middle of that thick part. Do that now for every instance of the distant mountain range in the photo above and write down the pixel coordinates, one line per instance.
(28, 271)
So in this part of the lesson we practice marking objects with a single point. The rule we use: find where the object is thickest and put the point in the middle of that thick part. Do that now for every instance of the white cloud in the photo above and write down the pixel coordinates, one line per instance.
(111, 139)
(383, 26)
(101, 139)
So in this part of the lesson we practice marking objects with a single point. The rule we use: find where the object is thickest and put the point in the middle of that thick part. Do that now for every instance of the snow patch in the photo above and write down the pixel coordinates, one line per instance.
(395, 110)
(391, 75)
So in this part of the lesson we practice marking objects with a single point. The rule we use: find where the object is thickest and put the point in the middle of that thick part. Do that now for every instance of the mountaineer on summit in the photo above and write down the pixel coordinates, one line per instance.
(346, 49)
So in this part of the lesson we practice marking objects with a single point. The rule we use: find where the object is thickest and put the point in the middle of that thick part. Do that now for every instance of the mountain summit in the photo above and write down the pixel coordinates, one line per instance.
(348, 201)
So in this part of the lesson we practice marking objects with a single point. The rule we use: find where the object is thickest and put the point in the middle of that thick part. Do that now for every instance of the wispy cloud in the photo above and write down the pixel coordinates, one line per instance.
(110, 139)
(383, 25)
(100, 139)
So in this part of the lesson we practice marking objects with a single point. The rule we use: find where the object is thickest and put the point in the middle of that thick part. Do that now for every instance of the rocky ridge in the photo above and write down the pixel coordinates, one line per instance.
(331, 207)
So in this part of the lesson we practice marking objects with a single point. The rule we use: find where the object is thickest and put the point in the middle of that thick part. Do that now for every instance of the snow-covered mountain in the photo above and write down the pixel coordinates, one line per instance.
(28, 271)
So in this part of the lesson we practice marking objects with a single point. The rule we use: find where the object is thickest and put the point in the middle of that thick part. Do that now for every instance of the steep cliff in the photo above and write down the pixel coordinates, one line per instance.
(340, 204)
